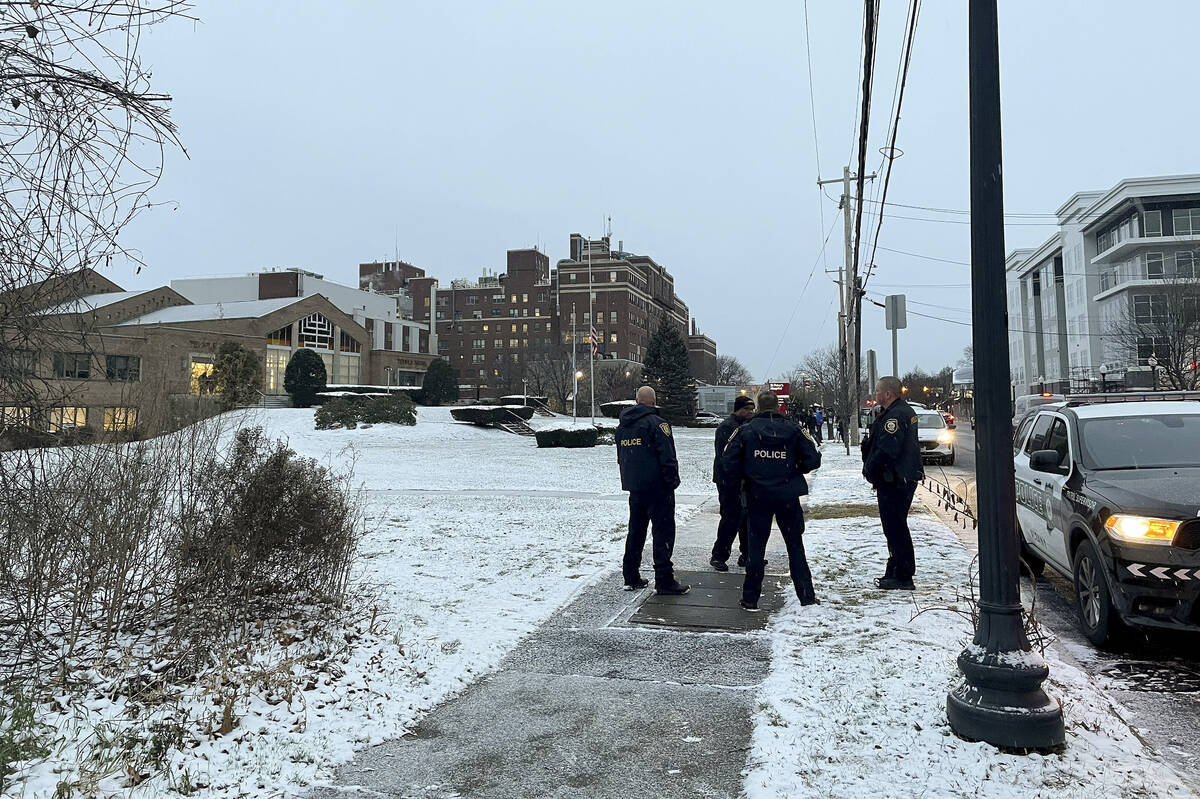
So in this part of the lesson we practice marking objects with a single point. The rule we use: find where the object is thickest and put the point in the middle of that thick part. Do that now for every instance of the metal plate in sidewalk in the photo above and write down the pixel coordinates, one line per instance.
(712, 604)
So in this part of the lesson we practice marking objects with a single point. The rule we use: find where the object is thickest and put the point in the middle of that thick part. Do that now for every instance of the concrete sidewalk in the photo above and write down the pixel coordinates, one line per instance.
(592, 705)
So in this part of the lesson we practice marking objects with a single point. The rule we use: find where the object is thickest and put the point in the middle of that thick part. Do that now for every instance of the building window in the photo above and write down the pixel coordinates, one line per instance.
(443, 346)
(117, 419)
(1149, 308)
(1185, 264)
(514, 299)
(524, 298)
(478, 344)
(612, 277)
(426, 302)
(472, 299)
(1154, 265)
(16, 416)
(612, 338)
(516, 358)
(513, 343)
(347, 343)
(477, 358)
(572, 276)
(1152, 223)
(612, 317)
(66, 419)
(497, 298)
(1187, 221)
(17, 363)
(346, 372)
(525, 328)
(316, 332)
(72, 365)
(514, 329)
(497, 343)
(1148, 348)
(443, 301)
(281, 337)
(201, 378)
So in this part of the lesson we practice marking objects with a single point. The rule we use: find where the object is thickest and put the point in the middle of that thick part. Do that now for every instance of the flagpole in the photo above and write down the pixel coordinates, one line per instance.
(574, 379)
(592, 315)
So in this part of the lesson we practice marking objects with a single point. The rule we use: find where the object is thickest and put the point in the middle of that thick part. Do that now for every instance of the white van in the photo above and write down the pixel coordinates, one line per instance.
(1027, 401)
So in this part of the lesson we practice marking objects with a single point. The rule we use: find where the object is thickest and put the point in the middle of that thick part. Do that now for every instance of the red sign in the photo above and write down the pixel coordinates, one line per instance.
(782, 389)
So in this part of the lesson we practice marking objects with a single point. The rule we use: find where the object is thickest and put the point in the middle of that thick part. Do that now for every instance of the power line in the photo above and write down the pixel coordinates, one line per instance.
(926, 257)
(1010, 330)
(914, 11)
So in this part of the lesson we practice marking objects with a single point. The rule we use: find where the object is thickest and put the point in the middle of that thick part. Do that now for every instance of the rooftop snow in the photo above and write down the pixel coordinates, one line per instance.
(91, 302)
(249, 309)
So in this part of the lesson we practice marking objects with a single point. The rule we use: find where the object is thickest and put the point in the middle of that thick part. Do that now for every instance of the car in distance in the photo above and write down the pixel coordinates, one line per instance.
(935, 437)
(1108, 495)
(1026, 402)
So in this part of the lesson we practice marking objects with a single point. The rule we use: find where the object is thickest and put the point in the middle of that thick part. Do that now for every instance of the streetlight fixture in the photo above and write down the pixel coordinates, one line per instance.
(1000, 700)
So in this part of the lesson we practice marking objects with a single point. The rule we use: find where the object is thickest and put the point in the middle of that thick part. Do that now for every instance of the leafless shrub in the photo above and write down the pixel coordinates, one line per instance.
(966, 605)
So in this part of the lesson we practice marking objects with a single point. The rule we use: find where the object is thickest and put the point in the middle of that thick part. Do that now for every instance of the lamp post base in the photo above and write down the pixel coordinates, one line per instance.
(1001, 701)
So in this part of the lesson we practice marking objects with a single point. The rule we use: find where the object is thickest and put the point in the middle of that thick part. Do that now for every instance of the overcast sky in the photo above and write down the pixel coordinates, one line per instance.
(322, 135)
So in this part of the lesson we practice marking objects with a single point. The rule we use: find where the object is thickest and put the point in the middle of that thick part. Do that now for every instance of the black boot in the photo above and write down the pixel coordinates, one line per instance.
(673, 588)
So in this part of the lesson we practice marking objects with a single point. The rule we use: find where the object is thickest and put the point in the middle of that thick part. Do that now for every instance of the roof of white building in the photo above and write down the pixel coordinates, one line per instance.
(249, 309)
(92, 301)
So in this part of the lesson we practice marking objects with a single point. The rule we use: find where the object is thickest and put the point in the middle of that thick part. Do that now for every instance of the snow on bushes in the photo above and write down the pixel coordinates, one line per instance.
(350, 410)
(577, 437)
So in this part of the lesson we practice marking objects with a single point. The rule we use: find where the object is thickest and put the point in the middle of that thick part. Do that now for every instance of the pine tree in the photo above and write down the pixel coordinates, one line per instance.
(237, 375)
(666, 371)
(304, 377)
(440, 384)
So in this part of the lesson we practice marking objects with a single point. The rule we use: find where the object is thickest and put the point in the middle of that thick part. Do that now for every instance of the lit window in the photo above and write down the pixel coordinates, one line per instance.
(116, 419)
(316, 332)
(15, 416)
(67, 418)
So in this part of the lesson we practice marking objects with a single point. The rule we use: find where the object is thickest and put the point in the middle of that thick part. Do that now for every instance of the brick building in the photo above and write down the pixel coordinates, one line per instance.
(491, 327)
(702, 355)
(104, 358)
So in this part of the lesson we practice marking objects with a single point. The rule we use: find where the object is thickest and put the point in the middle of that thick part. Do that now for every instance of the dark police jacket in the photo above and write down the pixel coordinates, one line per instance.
(772, 455)
(724, 431)
(892, 454)
(646, 451)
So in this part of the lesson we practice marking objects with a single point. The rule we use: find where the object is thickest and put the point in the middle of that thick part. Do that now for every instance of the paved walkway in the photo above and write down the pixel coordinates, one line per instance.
(593, 705)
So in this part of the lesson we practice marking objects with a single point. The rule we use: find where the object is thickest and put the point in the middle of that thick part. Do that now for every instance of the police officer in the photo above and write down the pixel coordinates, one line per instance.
(730, 494)
(650, 473)
(892, 464)
(772, 455)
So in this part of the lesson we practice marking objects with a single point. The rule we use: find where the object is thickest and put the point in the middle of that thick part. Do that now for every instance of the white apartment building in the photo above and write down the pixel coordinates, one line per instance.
(1107, 262)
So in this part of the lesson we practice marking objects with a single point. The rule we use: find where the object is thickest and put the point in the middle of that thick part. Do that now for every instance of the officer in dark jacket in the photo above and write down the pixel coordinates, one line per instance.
(731, 495)
(650, 473)
(772, 455)
(892, 464)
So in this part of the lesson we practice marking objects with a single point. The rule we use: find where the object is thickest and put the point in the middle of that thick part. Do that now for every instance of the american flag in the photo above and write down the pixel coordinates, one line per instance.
(595, 342)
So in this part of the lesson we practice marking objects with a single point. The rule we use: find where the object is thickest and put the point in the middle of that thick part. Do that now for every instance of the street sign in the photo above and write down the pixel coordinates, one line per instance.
(895, 314)
(780, 388)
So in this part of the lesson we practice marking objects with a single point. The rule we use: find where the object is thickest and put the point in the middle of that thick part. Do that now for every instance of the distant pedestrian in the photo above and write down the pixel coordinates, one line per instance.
(818, 421)
(731, 494)
(772, 455)
(841, 430)
(892, 464)
(829, 427)
(650, 473)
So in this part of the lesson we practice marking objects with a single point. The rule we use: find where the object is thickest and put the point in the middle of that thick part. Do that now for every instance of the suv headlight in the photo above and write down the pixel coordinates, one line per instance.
(1141, 529)
(946, 437)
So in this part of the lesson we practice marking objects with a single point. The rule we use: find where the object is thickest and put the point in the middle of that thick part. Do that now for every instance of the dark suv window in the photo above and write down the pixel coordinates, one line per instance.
(1057, 441)
(1018, 436)
(1038, 437)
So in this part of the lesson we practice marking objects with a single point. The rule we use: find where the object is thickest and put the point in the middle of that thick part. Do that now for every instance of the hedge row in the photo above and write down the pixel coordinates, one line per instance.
(490, 417)
(349, 412)
(575, 437)
(613, 409)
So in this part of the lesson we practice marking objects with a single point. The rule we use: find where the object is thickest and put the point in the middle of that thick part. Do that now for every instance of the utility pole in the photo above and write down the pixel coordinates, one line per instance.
(1000, 700)
(850, 318)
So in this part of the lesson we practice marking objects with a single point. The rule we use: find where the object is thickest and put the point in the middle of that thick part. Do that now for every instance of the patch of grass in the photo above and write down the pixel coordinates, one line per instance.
(841, 511)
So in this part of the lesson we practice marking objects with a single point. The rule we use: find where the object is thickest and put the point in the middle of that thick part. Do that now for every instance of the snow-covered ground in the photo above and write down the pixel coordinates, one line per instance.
(855, 701)
(475, 537)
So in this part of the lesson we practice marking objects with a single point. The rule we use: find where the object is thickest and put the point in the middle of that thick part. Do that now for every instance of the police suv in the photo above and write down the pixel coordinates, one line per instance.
(1108, 494)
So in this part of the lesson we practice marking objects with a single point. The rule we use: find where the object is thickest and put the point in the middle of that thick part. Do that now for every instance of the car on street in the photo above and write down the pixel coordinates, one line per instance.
(935, 437)
(1027, 402)
(1108, 495)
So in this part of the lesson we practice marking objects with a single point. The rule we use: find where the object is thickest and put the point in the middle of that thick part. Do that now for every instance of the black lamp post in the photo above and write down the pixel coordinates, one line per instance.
(1001, 699)
(1153, 363)
(1103, 379)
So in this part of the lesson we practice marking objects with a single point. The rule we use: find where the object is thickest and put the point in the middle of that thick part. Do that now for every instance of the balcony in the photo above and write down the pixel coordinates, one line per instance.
(1122, 250)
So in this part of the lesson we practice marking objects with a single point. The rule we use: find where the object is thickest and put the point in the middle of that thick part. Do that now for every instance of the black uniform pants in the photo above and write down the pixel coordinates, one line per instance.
(894, 501)
(733, 521)
(790, 517)
(645, 508)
